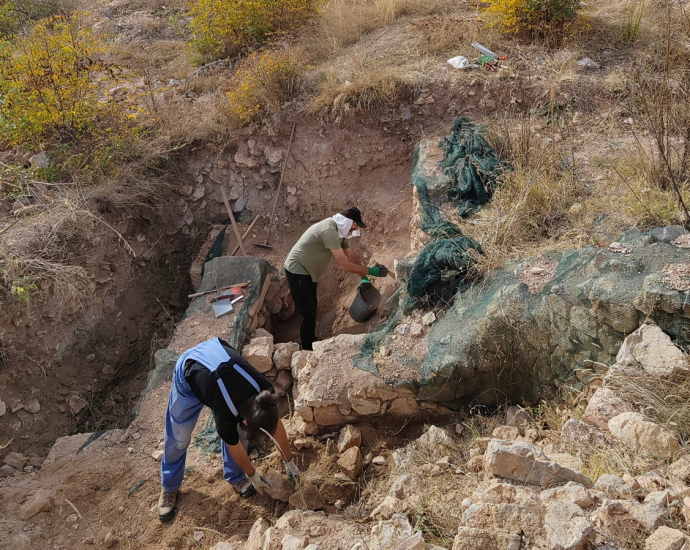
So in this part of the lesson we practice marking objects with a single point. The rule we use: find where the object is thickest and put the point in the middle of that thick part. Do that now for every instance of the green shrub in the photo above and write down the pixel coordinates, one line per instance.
(222, 28)
(264, 82)
(545, 19)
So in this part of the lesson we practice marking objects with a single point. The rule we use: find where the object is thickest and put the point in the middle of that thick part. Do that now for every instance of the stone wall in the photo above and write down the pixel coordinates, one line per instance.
(330, 390)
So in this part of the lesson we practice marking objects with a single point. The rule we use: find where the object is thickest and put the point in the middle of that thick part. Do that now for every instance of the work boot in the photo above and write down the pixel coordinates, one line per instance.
(245, 488)
(167, 505)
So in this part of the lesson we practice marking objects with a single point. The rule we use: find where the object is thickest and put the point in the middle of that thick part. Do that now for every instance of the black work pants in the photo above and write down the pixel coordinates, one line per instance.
(303, 291)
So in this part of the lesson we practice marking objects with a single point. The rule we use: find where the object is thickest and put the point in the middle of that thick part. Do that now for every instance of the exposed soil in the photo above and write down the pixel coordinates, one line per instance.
(108, 349)
(113, 483)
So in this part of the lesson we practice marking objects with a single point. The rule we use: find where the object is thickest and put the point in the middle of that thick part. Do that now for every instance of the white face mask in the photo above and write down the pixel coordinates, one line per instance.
(353, 233)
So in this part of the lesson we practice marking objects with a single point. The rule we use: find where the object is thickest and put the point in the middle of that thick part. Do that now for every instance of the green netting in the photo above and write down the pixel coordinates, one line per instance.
(208, 438)
(472, 165)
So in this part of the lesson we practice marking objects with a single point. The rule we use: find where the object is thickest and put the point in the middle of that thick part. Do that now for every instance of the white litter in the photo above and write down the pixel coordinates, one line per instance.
(461, 62)
(484, 50)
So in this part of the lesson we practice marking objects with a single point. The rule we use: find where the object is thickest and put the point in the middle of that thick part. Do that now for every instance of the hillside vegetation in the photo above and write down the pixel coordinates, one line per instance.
(107, 102)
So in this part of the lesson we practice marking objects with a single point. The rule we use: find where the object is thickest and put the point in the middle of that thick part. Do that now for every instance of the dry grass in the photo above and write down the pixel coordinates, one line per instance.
(343, 22)
(370, 89)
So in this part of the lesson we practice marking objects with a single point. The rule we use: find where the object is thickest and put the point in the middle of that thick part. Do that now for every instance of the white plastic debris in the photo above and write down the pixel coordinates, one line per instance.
(484, 50)
(461, 62)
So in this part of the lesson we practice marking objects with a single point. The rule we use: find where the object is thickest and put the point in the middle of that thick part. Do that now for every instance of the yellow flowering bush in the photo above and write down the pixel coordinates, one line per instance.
(222, 28)
(264, 82)
(48, 84)
(543, 19)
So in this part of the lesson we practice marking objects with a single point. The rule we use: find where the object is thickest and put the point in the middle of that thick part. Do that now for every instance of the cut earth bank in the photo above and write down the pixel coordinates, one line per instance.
(98, 350)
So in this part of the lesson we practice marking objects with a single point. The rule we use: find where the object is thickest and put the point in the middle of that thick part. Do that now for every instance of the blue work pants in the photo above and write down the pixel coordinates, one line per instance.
(180, 419)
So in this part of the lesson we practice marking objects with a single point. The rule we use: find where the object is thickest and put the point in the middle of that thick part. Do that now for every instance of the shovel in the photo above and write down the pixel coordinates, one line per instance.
(280, 184)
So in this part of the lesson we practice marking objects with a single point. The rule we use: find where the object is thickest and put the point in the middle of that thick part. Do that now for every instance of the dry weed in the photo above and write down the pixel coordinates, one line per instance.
(343, 22)
(369, 89)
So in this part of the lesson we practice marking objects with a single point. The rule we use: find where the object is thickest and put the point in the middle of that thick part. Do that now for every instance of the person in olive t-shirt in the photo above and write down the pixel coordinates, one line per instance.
(309, 259)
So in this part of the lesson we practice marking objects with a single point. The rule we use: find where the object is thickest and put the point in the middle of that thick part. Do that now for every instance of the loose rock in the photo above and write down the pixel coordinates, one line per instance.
(41, 501)
(506, 432)
(388, 535)
(580, 433)
(652, 349)
(391, 505)
(570, 492)
(566, 526)
(643, 436)
(351, 462)
(298, 362)
(282, 355)
(516, 416)
(404, 486)
(259, 353)
(76, 404)
(602, 407)
(350, 436)
(665, 538)
(614, 487)
(282, 489)
(308, 497)
(15, 460)
(522, 461)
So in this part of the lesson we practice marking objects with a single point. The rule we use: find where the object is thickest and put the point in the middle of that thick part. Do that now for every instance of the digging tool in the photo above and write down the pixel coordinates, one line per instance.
(251, 226)
(197, 294)
(280, 184)
(232, 221)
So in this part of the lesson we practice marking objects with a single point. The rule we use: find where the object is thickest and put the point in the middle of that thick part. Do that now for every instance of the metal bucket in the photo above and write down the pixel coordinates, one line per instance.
(365, 304)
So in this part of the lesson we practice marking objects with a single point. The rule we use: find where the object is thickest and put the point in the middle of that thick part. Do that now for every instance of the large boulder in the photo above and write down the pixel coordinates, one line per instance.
(521, 461)
(335, 390)
(644, 436)
(652, 349)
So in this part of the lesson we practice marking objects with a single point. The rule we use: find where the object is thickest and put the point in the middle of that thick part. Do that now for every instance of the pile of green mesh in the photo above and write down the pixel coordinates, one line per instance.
(470, 168)
(472, 165)
(208, 438)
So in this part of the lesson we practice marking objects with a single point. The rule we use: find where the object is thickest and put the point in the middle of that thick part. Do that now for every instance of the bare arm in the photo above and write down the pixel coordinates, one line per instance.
(239, 455)
(348, 265)
(352, 255)
(282, 439)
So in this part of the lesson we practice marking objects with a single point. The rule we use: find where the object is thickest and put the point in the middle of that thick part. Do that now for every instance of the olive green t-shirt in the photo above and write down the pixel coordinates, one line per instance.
(312, 253)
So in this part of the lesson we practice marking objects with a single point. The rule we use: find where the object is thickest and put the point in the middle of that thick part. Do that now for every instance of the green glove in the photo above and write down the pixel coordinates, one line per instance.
(365, 280)
(378, 270)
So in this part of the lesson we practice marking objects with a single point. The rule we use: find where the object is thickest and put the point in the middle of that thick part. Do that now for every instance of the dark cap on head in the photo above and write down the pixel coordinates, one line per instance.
(354, 214)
